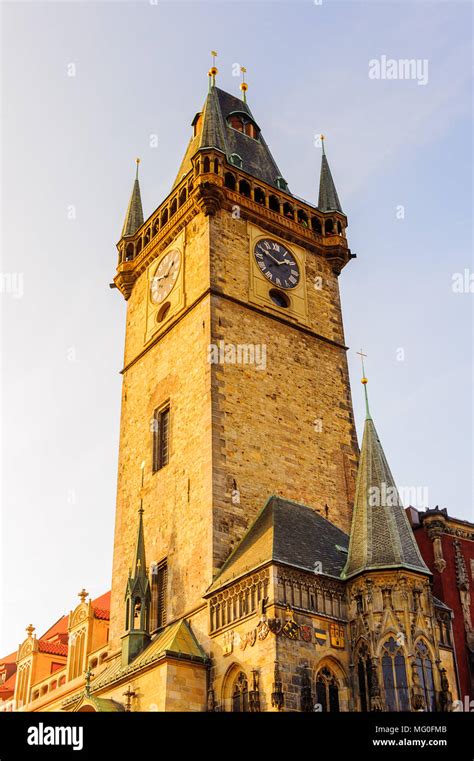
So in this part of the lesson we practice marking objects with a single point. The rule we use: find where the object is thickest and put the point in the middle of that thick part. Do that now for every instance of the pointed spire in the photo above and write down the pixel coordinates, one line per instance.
(381, 536)
(139, 565)
(328, 198)
(134, 215)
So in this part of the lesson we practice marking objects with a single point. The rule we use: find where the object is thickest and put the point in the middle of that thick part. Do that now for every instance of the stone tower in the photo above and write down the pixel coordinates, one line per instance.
(235, 380)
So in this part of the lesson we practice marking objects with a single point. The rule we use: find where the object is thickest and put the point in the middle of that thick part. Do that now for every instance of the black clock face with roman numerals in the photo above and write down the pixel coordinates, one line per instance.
(277, 263)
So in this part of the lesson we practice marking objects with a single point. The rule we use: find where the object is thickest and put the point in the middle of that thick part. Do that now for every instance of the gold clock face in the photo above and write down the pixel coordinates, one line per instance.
(166, 274)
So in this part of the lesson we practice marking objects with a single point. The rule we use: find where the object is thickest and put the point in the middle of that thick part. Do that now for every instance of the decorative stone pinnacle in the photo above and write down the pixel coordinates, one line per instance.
(29, 630)
(83, 595)
(88, 676)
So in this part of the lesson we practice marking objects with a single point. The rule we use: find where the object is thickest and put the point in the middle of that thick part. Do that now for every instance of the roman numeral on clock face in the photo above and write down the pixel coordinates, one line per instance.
(277, 263)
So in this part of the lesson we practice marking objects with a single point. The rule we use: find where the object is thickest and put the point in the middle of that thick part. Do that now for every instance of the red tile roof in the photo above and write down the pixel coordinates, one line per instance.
(53, 648)
(9, 684)
(60, 627)
(102, 602)
(54, 640)
(102, 614)
(8, 658)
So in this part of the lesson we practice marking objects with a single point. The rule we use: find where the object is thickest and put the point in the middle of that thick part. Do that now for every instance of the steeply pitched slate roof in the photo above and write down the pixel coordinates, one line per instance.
(216, 133)
(286, 532)
(134, 215)
(440, 604)
(381, 536)
(328, 198)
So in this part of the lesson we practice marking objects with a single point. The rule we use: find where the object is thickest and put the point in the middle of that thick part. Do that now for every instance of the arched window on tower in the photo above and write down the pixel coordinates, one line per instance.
(395, 677)
(236, 122)
(137, 607)
(302, 218)
(244, 188)
(240, 694)
(229, 180)
(274, 203)
(424, 667)
(327, 690)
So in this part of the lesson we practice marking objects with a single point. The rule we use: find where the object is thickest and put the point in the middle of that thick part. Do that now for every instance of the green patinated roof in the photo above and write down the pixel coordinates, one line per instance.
(286, 532)
(381, 536)
(177, 640)
(216, 133)
(134, 215)
(102, 705)
(328, 198)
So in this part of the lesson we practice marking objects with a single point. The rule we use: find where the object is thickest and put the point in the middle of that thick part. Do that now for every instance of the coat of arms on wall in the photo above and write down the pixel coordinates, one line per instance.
(290, 628)
(263, 628)
(336, 635)
(306, 633)
(228, 642)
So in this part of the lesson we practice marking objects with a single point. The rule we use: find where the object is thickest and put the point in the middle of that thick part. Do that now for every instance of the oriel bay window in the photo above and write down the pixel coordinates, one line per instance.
(161, 437)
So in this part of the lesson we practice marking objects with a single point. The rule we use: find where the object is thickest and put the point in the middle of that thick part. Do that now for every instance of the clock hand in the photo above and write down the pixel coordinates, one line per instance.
(272, 257)
(169, 269)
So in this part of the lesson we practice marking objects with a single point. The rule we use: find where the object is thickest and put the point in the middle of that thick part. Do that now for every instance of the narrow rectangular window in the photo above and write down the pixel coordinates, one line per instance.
(162, 581)
(161, 435)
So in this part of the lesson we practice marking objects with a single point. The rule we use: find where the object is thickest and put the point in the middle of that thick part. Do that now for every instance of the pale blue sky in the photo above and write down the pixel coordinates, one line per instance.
(141, 69)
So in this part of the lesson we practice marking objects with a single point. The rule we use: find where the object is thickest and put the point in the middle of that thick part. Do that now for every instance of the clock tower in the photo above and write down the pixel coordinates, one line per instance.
(235, 379)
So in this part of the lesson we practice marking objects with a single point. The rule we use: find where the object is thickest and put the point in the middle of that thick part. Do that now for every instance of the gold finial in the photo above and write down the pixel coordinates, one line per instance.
(243, 85)
(322, 138)
(213, 70)
(137, 162)
(364, 383)
(362, 355)
(82, 595)
(29, 630)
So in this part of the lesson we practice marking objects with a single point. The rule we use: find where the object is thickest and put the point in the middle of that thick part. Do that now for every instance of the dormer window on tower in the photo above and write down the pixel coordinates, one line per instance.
(242, 122)
(236, 160)
(281, 183)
